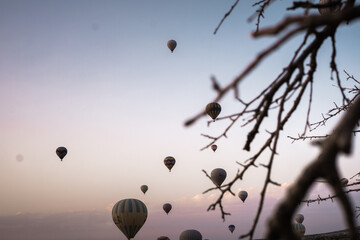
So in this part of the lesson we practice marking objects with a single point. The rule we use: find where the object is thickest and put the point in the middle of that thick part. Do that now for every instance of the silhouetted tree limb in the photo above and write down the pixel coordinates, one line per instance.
(282, 98)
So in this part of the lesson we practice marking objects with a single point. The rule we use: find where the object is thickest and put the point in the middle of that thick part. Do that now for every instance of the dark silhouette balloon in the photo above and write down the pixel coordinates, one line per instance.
(167, 207)
(169, 162)
(299, 218)
(61, 152)
(231, 228)
(213, 147)
(171, 44)
(129, 215)
(144, 188)
(190, 234)
(213, 110)
(243, 195)
(218, 176)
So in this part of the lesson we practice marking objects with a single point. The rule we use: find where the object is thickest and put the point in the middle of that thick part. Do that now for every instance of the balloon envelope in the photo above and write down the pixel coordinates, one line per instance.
(243, 195)
(129, 215)
(213, 147)
(231, 228)
(299, 218)
(169, 162)
(144, 188)
(167, 207)
(344, 182)
(190, 234)
(213, 110)
(171, 44)
(218, 176)
(61, 152)
(299, 229)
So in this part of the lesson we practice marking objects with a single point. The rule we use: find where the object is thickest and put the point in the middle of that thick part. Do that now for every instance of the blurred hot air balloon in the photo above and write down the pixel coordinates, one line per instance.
(231, 228)
(218, 176)
(167, 207)
(299, 218)
(171, 44)
(243, 195)
(190, 234)
(299, 229)
(213, 110)
(213, 147)
(61, 152)
(326, 10)
(144, 188)
(129, 216)
(169, 162)
(344, 182)
(163, 238)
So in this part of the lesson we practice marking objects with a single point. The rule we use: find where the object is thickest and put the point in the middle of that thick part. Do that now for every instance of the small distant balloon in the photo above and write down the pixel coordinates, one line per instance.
(213, 147)
(190, 234)
(218, 176)
(144, 188)
(243, 195)
(167, 207)
(169, 162)
(61, 152)
(344, 182)
(299, 229)
(163, 238)
(171, 44)
(213, 110)
(19, 157)
(299, 218)
(231, 228)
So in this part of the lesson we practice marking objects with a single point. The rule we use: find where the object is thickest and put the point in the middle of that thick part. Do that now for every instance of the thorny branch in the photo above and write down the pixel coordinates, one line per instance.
(284, 95)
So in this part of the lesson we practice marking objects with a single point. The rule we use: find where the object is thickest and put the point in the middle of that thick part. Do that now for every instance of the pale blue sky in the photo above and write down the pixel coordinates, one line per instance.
(97, 78)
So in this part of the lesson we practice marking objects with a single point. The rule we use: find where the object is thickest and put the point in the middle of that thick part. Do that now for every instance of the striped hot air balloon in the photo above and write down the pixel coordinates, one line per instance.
(299, 229)
(129, 216)
(213, 110)
(169, 162)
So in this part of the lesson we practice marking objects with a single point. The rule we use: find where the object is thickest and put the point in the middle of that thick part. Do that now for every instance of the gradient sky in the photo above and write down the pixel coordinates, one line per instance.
(97, 78)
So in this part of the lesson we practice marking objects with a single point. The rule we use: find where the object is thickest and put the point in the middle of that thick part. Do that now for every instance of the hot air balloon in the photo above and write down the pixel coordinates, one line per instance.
(243, 195)
(299, 218)
(129, 216)
(190, 234)
(299, 229)
(163, 238)
(213, 110)
(330, 9)
(167, 207)
(231, 228)
(61, 152)
(344, 182)
(213, 147)
(169, 162)
(218, 176)
(171, 44)
(144, 188)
